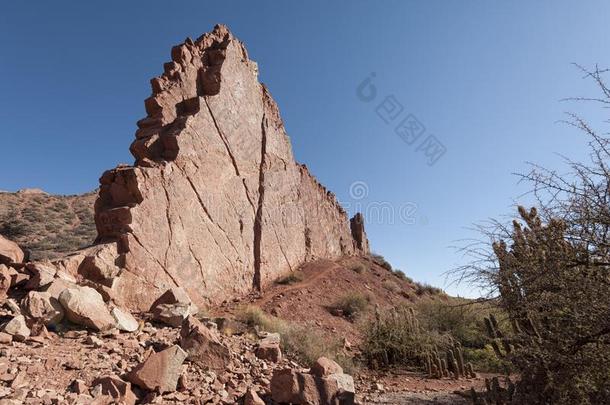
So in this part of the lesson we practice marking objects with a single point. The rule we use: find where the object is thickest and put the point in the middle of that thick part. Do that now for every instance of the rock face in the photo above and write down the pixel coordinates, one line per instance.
(215, 202)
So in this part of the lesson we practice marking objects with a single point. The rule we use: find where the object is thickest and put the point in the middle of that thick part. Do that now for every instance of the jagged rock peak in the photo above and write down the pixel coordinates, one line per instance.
(215, 202)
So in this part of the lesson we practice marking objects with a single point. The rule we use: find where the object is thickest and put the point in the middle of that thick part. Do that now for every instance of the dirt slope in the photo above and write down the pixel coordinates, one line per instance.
(310, 300)
(47, 225)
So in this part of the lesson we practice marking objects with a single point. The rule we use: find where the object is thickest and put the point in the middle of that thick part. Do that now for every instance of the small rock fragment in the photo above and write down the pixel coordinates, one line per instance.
(124, 320)
(119, 390)
(79, 387)
(17, 328)
(94, 341)
(252, 398)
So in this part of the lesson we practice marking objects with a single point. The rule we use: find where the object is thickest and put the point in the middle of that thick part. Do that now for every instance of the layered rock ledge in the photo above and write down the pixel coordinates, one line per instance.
(215, 202)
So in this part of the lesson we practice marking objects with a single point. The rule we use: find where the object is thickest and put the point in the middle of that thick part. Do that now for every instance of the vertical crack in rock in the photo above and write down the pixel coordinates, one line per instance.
(170, 236)
(258, 218)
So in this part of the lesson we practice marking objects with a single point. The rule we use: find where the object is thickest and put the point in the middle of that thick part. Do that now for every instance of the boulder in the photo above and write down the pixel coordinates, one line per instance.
(203, 345)
(43, 273)
(85, 306)
(17, 327)
(324, 367)
(324, 387)
(172, 314)
(119, 390)
(290, 386)
(57, 286)
(10, 252)
(175, 295)
(173, 307)
(124, 320)
(215, 202)
(269, 348)
(43, 307)
(100, 266)
(160, 371)
(70, 263)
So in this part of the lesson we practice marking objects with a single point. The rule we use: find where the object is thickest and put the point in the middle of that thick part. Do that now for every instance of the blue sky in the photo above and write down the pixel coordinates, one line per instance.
(485, 78)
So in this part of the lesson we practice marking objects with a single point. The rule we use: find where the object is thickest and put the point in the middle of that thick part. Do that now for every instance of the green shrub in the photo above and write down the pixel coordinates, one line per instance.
(486, 360)
(394, 338)
(351, 304)
(291, 278)
(459, 318)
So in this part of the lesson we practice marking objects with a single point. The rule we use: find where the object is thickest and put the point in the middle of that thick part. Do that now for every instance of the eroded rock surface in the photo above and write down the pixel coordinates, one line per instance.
(215, 202)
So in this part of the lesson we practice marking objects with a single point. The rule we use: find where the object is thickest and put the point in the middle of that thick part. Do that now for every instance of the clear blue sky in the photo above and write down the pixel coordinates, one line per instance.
(484, 77)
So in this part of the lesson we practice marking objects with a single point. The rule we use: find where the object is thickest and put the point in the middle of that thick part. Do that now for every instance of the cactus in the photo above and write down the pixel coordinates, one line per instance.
(470, 371)
(497, 338)
(494, 394)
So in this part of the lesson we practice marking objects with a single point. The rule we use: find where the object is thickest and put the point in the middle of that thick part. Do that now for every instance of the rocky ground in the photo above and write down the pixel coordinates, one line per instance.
(62, 342)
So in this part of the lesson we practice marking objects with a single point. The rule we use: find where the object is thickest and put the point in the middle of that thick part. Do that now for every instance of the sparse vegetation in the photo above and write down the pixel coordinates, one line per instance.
(380, 260)
(425, 288)
(401, 275)
(47, 225)
(391, 285)
(292, 278)
(464, 321)
(358, 268)
(351, 305)
(303, 343)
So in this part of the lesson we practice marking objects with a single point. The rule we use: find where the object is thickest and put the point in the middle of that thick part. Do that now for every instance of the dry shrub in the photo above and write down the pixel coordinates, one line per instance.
(358, 268)
(390, 286)
(352, 304)
(292, 278)
(380, 260)
(425, 288)
(298, 341)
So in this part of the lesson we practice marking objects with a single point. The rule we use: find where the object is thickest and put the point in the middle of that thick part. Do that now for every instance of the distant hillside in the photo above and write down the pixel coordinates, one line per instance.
(47, 225)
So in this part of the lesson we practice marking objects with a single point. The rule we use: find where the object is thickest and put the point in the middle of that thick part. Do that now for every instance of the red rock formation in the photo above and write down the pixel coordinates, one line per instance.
(215, 202)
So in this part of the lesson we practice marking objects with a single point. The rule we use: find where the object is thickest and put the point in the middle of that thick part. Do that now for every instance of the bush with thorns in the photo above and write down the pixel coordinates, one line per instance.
(551, 273)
